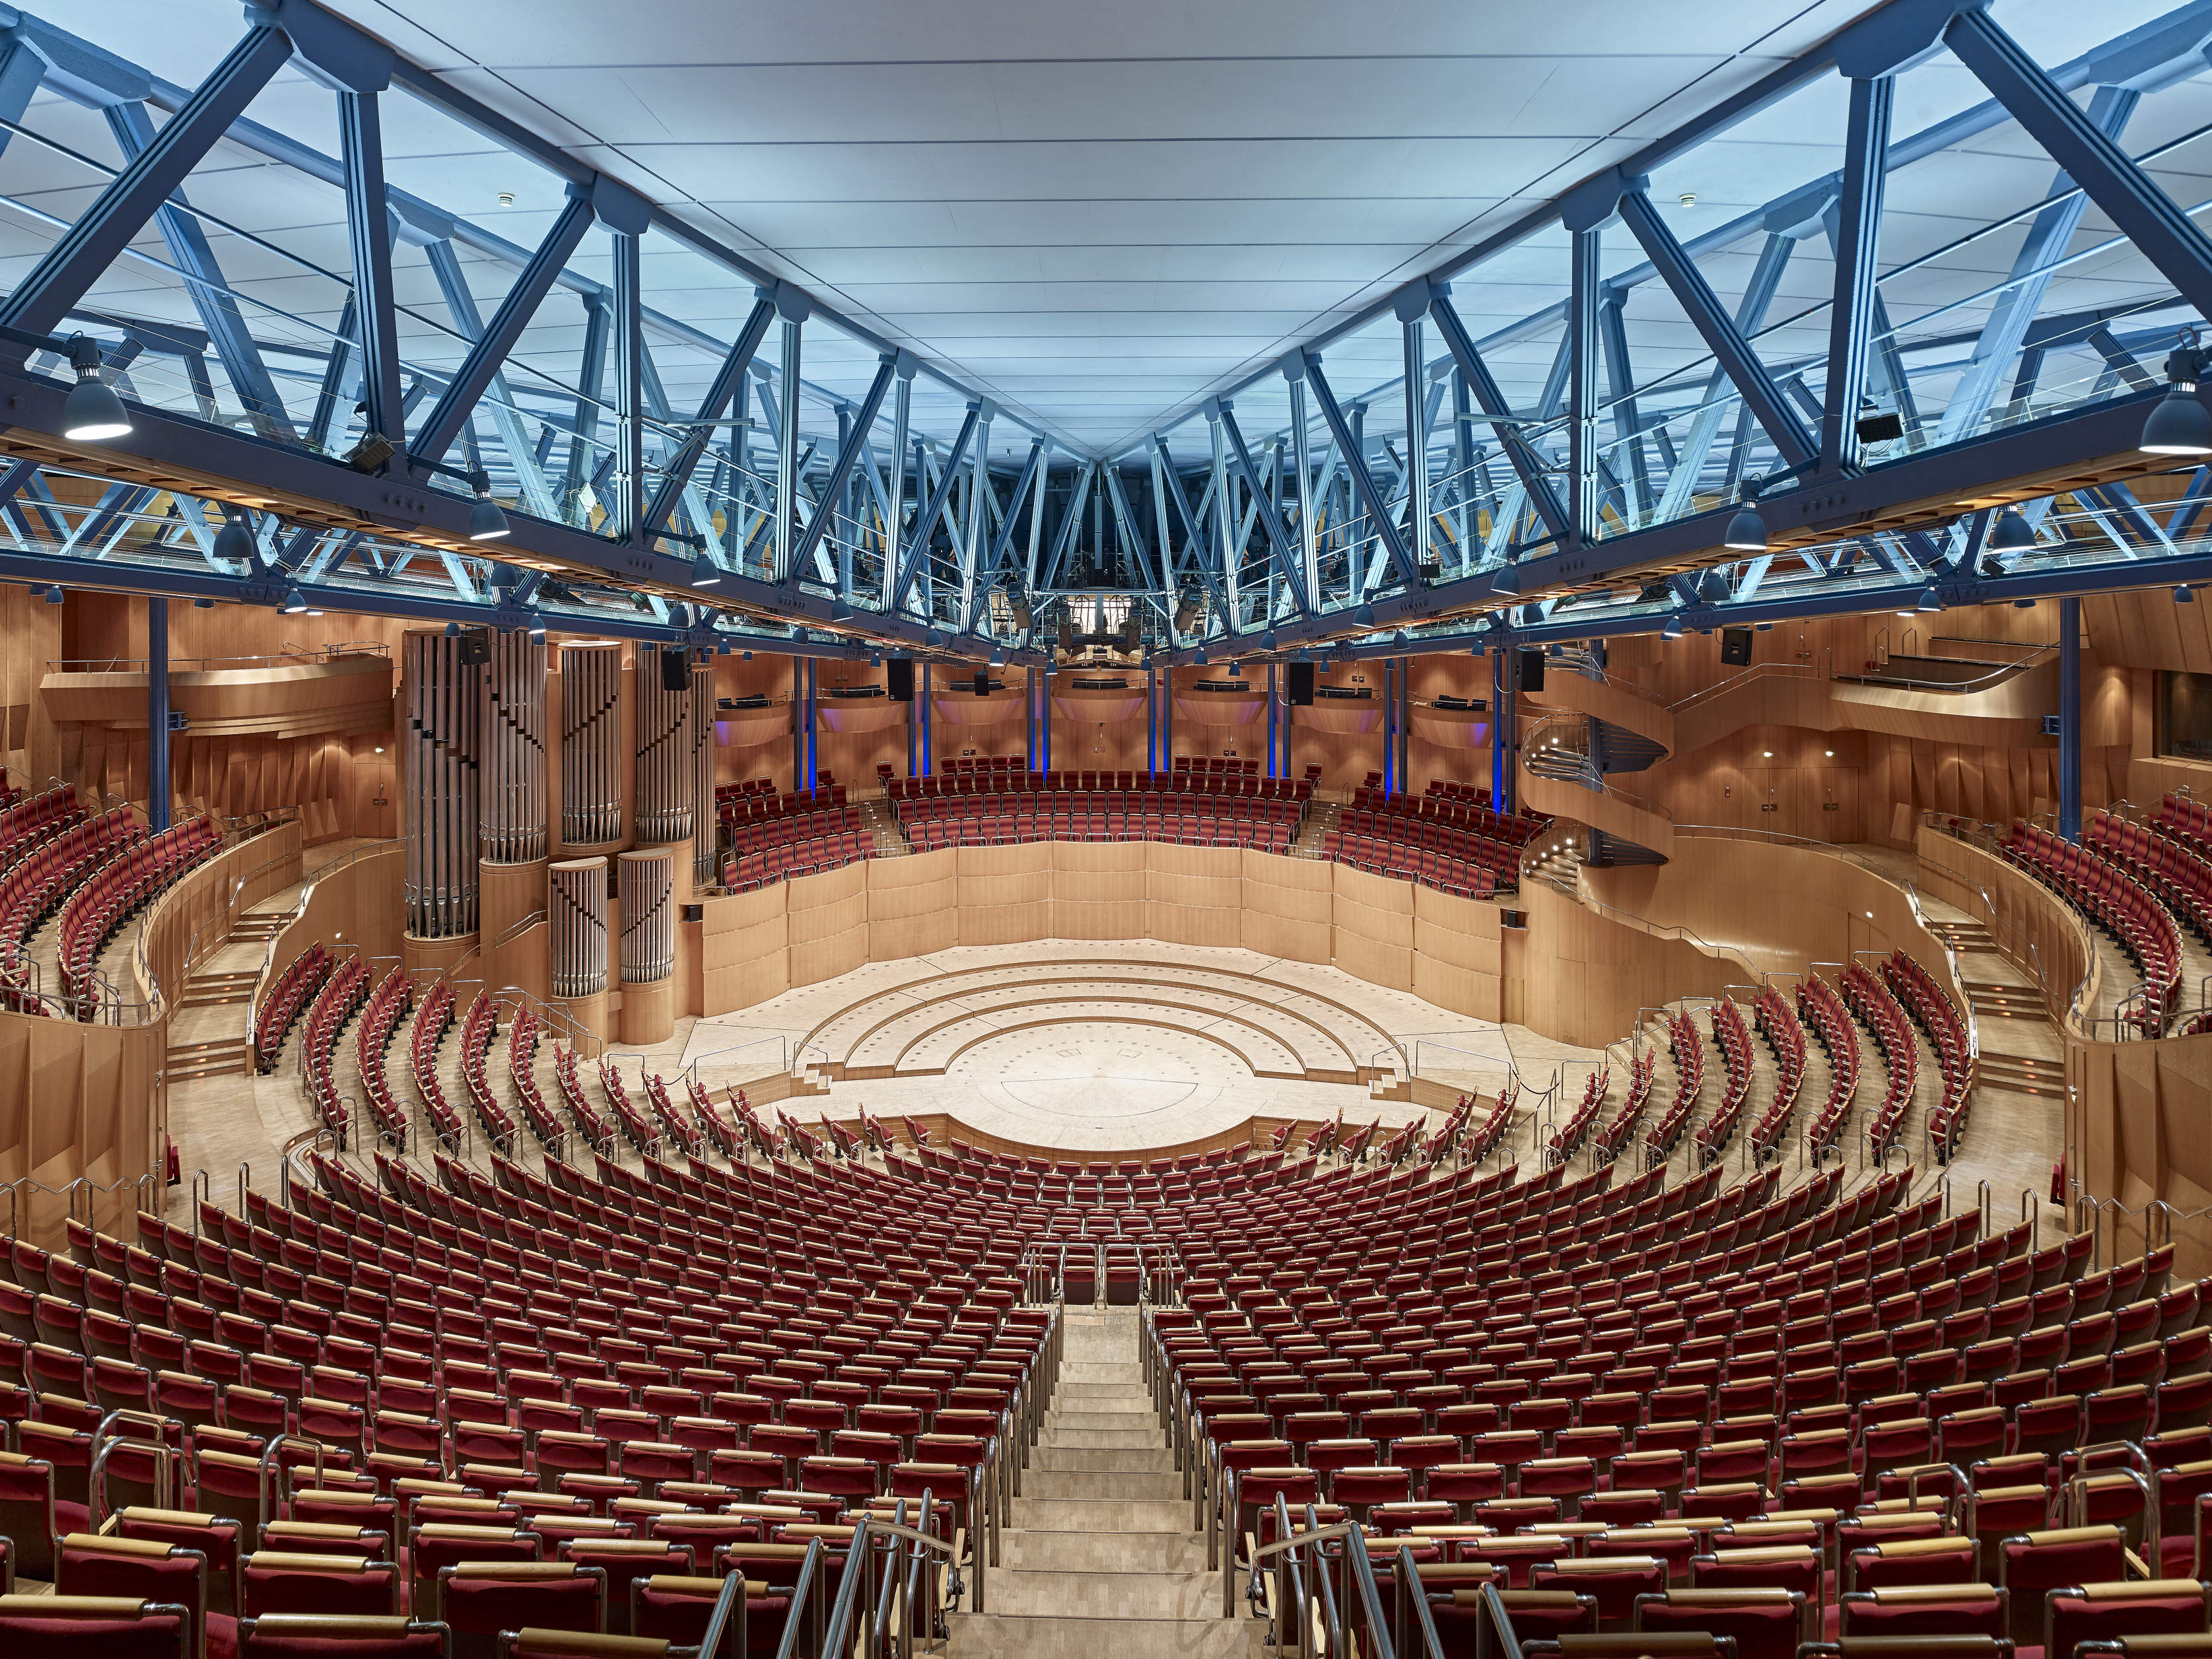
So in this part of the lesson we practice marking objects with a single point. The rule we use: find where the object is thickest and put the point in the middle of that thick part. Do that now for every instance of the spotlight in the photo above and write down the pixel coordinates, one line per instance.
(295, 603)
(2023, 604)
(452, 630)
(1746, 531)
(235, 542)
(998, 658)
(1365, 616)
(705, 573)
(92, 413)
(1506, 579)
(1235, 671)
(536, 628)
(875, 657)
(2183, 595)
(1200, 656)
(1673, 630)
(1267, 640)
(202, 602)
(1930, 599)
(487, 520)
(840, 612)
(54, 594)
(2011, 533)
(1764, 628)
(2180, 424)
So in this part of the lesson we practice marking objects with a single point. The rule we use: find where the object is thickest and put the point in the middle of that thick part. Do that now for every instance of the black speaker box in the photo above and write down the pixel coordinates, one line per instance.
(1735, 646)
(898, 679)
(1532, 670)
(982, 683)
(476, 647)
(675, 672)
(1300, 686)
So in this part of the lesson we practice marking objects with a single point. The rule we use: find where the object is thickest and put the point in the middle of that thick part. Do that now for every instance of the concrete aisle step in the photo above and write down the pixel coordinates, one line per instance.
(1100, 1560)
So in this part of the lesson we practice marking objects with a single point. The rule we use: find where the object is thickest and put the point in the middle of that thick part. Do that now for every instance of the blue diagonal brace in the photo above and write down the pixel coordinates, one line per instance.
(1744, 370)
(1287, 554)
(1378, 508)
(1117, 497)
(443, 424)
(1031, 468)
(368, 229)
(1527, 466)
(841, 469)
(925, 525)
(1192, 540)
(2144, 213)
(1069, 522)
(85, 250)
(676, 471)
(204, 279)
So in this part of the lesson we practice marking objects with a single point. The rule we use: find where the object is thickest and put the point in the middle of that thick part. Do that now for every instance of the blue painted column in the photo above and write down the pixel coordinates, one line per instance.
(157, 714)
(922, 691)
(1270, 721)
(1044, 724)
(2070, 718)
(812, 770)
(798, 723)
(913, 734)
(1389, 725)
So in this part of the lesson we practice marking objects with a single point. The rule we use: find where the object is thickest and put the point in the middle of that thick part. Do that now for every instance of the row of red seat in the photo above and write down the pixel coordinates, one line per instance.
(1240, 786)
(1879, 1012)
(598, 1131)
(1516, 830)
(45, 865)
(798, 856)
(145, 866)
(2112, 900)
(1620, 1129)
(1786, 1040)
(388, 1006)
(432, 1020)
(1689, 1055)
(1820, 1007)
(1380, 855)
(1945, 1028)
(2166, 863)
(295, 986)
(754, 807)
(1474, 845)
(342, 995)
(1567, 1139)
(479, 1031)
(1204, 820)
(1732, 1037)
(523, 1031)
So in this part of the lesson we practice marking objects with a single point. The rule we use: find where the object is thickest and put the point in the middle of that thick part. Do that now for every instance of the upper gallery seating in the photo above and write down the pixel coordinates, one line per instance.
(1204, 808)
(1450, 840)
(295, 987)
(2115, 901)
(766, 836)
(112, 893)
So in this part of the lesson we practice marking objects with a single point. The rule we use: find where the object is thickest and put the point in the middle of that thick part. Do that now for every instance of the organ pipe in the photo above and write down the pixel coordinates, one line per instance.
(514, 750)
(704, 824)
(444, 725)
(664, 747)
(648, 916)
(579, 927)
(591, 744)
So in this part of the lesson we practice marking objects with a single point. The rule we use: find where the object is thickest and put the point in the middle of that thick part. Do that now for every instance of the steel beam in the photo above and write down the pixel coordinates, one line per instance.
(82, 255)
(444, 423)
(1378, 507)
(925, 524)
(1858, 240)
(1735, 354)
(1287, 555)
(2144, 212)
(1581, 348)
(841, 469)
(626, 324)
(1528, 466)
(1705, 425)
(591, 387)
(369, 231)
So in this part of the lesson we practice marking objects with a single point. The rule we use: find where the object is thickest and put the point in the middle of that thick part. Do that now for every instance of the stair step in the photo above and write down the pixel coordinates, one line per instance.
(989, 1635)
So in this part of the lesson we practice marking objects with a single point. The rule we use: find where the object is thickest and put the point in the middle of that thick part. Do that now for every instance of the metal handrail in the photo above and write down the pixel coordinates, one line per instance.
(289, 657)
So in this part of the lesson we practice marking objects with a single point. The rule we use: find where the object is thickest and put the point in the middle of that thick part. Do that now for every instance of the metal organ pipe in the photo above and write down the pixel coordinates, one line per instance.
(664, 747)
(514, 750)
(591, 744)
(705, 823)
(443, 729)
(649, 916)
(579, 927)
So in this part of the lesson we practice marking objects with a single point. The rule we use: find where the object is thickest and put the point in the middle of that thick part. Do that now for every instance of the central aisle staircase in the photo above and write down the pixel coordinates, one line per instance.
(1101, 1562)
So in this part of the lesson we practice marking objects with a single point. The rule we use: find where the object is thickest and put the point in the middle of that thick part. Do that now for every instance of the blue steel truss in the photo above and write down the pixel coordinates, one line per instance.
(1430, 509)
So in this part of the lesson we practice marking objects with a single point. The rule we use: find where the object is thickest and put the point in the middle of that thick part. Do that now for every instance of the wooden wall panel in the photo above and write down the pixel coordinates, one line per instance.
(1005, 924)
(814, 961)
(1374, 961)
(1287, 937)
(1177, 923)
(1365, 921)
(1449, 985)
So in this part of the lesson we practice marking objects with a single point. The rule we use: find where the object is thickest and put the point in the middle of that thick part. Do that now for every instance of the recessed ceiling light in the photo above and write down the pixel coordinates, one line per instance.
(1688, 198)
(506, 198)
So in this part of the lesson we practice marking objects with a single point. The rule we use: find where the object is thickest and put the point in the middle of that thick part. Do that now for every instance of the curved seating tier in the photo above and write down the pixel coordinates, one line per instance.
(296, 986)
(1879, 1012)
(388, 1008)
(2114, 901)
(143, 866)
(341, 992)
(992, 809)
(432, 1018)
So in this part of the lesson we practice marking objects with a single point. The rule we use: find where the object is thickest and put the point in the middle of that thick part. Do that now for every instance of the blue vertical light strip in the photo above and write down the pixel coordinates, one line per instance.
(798, 723)
(1045, 722)
(157, 714)
(928, 765)
(912, 731)
(2070, 718)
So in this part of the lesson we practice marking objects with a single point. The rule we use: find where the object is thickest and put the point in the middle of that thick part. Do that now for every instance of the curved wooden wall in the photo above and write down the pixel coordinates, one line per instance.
(752, 946)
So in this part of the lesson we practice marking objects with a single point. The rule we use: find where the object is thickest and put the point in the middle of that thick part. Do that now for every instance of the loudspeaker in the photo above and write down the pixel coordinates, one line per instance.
(1532, 669)
(1300, 686)
(675, 671)
(1131, 627)
(898, 677)
(1735, 646)
(982, 683)
(476, 647)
